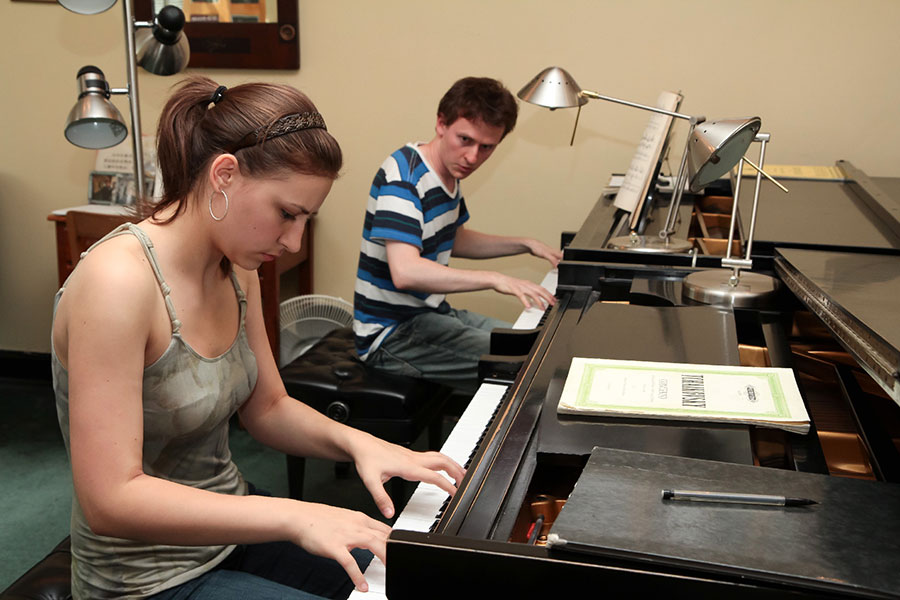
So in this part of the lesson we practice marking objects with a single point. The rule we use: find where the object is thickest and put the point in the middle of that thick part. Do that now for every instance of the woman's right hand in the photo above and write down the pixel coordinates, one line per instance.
(332, 532)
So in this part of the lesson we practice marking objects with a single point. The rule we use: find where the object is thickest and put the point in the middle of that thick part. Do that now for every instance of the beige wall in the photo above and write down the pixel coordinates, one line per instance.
(820, 73)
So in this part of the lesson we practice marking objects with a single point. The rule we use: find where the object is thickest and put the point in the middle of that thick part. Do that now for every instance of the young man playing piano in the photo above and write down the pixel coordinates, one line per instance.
(415, 220)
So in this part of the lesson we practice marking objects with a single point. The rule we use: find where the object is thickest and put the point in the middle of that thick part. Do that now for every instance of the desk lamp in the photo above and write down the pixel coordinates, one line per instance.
(710, 151)
(159, 47)
(728, 286)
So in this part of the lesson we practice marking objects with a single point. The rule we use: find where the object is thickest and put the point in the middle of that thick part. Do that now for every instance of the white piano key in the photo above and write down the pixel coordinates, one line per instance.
(370, 595)
(375, 577)
(530, 317)
(357, 595)
(421, 507)
(421, 511)
(375, 573)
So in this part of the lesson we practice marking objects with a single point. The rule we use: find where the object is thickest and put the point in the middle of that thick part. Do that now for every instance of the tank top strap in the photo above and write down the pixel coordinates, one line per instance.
(121, 229)
(147, 245)
(241, 296)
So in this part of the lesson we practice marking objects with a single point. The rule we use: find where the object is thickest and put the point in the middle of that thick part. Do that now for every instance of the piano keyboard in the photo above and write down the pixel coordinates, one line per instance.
(427, 502)
(531, 318)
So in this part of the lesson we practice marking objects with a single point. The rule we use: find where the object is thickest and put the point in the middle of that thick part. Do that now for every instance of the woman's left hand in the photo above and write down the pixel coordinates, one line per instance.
(378, 461)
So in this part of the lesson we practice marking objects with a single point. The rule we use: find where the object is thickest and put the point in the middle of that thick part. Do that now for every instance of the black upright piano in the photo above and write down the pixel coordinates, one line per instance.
(835, 248)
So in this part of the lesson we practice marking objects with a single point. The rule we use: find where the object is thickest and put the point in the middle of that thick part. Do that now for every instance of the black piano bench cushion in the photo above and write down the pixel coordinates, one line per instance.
(49, 579)
(331, 378)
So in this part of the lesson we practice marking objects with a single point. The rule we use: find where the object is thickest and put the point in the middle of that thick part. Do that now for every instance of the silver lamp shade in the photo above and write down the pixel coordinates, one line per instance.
(716, 146)
(553, 88)
(94, 122)
(87, 7)
(163, 49)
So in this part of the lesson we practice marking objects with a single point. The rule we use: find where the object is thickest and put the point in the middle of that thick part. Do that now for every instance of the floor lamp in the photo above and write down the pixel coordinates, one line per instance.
(159, 47)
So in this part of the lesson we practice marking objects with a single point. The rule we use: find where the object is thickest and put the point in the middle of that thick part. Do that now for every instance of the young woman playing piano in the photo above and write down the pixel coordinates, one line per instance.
(158, 338)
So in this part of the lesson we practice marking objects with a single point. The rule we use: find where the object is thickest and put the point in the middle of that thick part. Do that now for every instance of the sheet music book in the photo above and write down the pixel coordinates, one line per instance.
(649, 151)
(766, 397)
(847, 543)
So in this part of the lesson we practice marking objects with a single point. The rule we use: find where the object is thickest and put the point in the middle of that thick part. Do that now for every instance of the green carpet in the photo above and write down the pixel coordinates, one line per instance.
(36, 488)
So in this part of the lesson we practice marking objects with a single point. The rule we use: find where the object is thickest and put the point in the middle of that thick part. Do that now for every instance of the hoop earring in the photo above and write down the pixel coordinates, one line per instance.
(224, 195)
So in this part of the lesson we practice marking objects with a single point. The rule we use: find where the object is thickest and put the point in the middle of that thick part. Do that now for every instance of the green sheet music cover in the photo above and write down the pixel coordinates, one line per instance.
(766, 397)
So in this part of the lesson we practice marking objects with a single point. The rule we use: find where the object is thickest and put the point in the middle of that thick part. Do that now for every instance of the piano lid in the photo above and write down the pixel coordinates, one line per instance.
(857, 295)
(858, 212)
(844, 544)
(826, 214)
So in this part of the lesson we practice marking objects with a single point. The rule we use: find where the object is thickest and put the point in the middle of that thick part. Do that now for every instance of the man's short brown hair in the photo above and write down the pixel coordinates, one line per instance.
(480, 98)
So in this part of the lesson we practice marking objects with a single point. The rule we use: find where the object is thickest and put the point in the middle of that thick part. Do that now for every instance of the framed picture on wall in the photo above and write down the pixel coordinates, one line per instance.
(114, 188)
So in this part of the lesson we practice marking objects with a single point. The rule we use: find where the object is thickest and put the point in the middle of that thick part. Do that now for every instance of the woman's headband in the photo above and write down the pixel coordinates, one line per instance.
(283, 126)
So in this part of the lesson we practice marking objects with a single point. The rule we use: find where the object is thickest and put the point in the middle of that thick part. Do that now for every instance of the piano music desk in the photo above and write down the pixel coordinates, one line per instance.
(269, 273)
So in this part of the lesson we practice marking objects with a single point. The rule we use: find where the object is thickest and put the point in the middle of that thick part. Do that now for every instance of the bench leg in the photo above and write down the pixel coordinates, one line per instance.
(435, 431)
(296, 468)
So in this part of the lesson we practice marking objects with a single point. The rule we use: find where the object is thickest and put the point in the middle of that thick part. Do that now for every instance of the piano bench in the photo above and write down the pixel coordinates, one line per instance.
(49, 579)
(330, 378)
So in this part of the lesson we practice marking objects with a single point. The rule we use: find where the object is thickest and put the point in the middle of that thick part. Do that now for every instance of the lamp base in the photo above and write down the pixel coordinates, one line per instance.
(650, 244)
(715, 287)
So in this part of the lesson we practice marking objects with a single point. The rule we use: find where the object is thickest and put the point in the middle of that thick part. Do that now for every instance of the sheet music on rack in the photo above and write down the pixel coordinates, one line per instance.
(649, 151)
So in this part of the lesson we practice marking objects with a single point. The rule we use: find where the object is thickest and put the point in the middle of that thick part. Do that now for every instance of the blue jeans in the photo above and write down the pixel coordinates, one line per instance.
(442, 347)
(270, 571)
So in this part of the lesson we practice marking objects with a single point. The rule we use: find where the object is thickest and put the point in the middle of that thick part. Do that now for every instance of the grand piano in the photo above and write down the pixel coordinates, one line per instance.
(835, 248)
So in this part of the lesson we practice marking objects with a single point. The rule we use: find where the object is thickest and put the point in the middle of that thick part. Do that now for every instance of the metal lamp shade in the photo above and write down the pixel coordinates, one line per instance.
(94, 132)
(87, 7)
(163, 49)
(716, 146)
(94, 122)
(553, 88)
(159, 58)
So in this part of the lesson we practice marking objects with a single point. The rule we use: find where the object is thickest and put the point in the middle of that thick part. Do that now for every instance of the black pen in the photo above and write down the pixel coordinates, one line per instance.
(735, 498)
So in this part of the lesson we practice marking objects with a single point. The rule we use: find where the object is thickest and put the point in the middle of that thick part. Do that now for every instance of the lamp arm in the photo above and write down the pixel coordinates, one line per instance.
(596, 96)
(763, 138)
(736, 264)
(669, 226)
(131, 63)
(766, 175)
(734, 209)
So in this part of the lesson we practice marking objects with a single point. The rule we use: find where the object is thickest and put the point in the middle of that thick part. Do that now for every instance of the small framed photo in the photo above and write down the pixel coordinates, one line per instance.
(115, 188)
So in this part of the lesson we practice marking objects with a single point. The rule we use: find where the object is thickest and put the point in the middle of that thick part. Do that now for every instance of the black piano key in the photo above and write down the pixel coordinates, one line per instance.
(543, 320)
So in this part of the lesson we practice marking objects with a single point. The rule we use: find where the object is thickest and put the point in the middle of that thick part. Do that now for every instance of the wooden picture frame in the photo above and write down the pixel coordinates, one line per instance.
(114, 188)
(241, 45)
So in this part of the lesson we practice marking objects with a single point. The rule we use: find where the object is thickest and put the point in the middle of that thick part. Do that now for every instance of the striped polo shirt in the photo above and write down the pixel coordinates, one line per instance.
(407, 203)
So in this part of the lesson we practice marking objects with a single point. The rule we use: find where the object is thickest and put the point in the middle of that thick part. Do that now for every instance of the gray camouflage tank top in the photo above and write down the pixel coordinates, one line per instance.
(187, 401)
